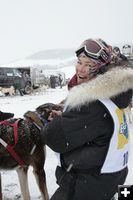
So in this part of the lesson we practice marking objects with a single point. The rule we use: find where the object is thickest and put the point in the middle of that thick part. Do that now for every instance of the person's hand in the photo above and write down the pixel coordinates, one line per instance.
(53, 114)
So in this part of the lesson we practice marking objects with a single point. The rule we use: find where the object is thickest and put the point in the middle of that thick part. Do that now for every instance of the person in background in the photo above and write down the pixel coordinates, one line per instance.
(118, 56)
(60, 80)
(91, 135)
(52, 81)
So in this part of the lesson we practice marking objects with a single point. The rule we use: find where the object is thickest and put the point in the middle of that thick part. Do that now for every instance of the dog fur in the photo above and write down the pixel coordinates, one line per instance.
(29, 147)
(10, 90)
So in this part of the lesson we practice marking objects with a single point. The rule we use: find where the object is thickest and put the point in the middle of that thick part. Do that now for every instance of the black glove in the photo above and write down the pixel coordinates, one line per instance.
(5, 115)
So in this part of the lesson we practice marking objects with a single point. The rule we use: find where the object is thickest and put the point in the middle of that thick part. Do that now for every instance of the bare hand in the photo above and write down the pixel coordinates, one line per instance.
(53, 114)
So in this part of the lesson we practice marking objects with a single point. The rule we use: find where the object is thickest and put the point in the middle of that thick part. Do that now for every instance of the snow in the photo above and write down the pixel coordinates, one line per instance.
(19, 105)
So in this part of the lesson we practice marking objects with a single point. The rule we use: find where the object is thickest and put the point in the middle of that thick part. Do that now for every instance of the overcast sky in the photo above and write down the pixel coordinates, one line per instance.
(29, 26)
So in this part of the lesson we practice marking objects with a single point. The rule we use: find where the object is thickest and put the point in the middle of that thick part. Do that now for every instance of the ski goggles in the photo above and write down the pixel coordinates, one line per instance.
(94, 49)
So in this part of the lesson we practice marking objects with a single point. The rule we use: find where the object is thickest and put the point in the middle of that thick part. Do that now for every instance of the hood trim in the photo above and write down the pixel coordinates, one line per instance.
(104, 86)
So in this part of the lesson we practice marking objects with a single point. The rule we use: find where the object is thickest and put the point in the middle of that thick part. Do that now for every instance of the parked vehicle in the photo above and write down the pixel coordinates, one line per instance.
(13, 77)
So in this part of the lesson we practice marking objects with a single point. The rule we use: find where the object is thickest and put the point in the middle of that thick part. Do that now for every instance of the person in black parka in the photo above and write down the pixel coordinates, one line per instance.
(91, 135)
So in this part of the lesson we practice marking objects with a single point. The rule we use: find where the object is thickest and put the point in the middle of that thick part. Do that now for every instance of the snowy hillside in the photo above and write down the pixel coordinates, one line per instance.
(52, 54)
(49, 59)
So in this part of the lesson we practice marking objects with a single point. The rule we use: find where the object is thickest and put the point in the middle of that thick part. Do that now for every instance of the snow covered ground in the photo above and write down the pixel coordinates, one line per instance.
(19, 105)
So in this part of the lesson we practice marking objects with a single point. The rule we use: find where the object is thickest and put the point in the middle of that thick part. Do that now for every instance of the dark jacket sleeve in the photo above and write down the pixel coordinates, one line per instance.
(76, 128)
(124, 99)
(53, 136)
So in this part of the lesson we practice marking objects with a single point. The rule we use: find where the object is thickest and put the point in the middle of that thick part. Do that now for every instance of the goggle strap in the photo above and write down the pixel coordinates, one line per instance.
(79, 51)
(104, 55)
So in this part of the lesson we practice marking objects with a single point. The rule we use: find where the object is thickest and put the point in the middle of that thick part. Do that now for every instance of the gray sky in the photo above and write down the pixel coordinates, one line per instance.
(29, 26)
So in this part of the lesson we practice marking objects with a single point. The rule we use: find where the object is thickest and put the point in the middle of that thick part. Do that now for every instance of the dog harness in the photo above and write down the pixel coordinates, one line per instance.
(10, 148)
(117, 155)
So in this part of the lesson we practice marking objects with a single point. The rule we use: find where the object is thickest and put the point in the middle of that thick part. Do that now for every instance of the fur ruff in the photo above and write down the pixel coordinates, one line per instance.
(104, 86)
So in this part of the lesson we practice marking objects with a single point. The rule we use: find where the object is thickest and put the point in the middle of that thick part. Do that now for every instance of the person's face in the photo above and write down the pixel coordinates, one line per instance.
(82, 69)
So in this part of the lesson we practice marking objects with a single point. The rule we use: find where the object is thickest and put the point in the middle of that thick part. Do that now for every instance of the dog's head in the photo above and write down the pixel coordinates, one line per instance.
(44, 110)
(40, 116)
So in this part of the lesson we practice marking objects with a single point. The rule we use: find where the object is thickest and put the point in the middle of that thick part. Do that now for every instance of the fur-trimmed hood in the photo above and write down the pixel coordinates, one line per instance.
(104, 86)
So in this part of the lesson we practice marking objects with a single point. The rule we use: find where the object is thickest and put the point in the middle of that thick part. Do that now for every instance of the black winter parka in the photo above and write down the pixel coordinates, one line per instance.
(82, 134)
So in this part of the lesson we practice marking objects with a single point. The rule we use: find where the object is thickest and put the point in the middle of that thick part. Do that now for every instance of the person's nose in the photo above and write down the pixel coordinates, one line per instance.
(81, 68)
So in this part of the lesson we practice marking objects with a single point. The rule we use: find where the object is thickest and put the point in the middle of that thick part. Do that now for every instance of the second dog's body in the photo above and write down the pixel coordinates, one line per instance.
(10, 90)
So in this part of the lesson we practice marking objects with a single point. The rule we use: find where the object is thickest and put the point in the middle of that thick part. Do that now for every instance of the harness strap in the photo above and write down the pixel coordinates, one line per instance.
(10, 148)
(15, 128)
(15, 155)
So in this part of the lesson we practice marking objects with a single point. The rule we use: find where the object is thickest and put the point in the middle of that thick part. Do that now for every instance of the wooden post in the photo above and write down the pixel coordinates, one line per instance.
(0, 188)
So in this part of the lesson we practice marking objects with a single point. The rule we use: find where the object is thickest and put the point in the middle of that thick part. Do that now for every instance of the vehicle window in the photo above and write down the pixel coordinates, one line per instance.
(17, 72)
(8, 72)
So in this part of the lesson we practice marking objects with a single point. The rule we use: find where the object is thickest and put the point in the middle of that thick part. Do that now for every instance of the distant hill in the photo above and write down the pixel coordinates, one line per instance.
(52, 54)
(51, 58)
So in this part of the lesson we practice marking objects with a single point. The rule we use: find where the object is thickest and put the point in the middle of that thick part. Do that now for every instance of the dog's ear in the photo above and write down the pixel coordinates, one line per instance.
(5, 115)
